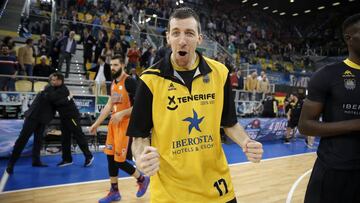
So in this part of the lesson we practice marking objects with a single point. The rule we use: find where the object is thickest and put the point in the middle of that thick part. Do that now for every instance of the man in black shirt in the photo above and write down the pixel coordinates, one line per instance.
(334, 94)
(70, 120)
(39, 114)
(42, 69)
(293, 116)
(269, 107)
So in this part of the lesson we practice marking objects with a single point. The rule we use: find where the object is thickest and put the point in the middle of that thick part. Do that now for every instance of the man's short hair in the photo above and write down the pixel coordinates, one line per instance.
(350, 21)
(28, 41)
(119, 57)
(58, 75)
(183, 13)
(102, 57)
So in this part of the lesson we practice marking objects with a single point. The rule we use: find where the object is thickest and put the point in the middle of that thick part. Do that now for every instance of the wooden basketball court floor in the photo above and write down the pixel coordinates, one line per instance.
(279, 179)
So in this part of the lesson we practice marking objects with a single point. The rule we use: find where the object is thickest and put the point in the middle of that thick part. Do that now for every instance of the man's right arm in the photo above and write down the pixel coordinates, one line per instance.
(103, 115)
(310, 125)
(313, 107)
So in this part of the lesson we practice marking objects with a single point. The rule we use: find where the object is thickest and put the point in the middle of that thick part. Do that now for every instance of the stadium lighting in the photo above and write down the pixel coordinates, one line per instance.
(266, 8)
(336, 4)
(181, 1)
(244, 1)
(282, 13)
(177, 3)
(307, 11)
(255, 4)
(274, 11)
(321, 7)
(291, 1)
(295, 14)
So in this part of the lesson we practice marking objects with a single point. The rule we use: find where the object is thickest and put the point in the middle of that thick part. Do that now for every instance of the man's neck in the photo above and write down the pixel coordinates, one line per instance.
(354, 58)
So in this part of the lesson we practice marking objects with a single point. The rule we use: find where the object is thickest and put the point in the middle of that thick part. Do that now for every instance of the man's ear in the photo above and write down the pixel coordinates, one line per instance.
(347, 37)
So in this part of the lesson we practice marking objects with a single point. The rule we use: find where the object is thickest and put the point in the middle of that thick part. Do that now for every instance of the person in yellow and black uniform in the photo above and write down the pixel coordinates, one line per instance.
(183, 100)
(334, 94)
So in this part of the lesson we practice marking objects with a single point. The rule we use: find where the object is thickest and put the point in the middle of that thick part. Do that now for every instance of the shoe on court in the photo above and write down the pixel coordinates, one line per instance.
(112, 196)
(88, 161)
(64, 163)
(287, 141)
(143, 186)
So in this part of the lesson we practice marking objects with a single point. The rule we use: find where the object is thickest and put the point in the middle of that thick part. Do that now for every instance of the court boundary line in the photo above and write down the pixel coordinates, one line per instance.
(294, 186)
(124, 178)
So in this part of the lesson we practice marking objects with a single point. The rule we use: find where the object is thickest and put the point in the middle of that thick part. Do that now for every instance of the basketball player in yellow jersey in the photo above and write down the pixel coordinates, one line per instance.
(119, 104)
(181, 102)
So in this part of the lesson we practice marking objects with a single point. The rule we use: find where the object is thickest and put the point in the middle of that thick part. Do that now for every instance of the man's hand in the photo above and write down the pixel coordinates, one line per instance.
(93, 129)
(117, 117)
(253, 150)
(148, 162)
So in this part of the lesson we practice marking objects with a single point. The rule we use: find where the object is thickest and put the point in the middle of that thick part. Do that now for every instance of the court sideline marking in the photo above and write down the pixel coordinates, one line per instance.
(294, 186)
(124, 178)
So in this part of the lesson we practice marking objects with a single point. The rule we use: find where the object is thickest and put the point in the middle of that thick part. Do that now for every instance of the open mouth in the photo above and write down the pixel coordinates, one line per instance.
(182, 53)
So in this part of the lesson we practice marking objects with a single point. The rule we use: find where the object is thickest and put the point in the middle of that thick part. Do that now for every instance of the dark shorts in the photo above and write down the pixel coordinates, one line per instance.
(331, 185)
(292, 123)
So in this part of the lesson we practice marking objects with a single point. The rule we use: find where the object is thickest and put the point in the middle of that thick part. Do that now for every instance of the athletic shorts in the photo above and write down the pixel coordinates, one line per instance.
(116, 140)
(331, 185)
(292, 123)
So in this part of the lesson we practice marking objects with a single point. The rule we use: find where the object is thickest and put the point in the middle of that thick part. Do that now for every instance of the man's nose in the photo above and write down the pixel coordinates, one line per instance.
(182, 40)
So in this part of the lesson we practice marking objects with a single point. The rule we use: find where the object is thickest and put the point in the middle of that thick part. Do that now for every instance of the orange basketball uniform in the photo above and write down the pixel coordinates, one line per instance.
(116, 141)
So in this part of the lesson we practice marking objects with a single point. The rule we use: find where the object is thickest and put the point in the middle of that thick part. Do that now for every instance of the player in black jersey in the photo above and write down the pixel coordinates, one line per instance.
(334, 94)
(293, 116)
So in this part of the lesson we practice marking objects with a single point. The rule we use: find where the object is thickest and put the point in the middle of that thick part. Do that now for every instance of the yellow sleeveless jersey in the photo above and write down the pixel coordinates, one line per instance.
(186, 132)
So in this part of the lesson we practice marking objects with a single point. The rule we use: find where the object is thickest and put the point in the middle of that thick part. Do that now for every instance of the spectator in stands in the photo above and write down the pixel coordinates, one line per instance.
(124, 44)
(108, 52)
(118, 50)
(67, 49)
(134, 56)
(63, 102)
(133, 74)
(147, 58)
(100, 44)
(263, 87)
(55, 51)
(160, 53)
(8, 66)
(39, 114)
(8, 41)
(42, 69)
(113, 40)
(43, 46)
(293, 117)
(260, 77)
(251, 84)
(26, 59)
(88, 42)
(234, 79)
(102, 76)
(240, 80)
(120, 106)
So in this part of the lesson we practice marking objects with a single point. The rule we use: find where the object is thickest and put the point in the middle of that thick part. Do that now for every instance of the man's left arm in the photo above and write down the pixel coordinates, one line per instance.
(252, 149)
(130, 86)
